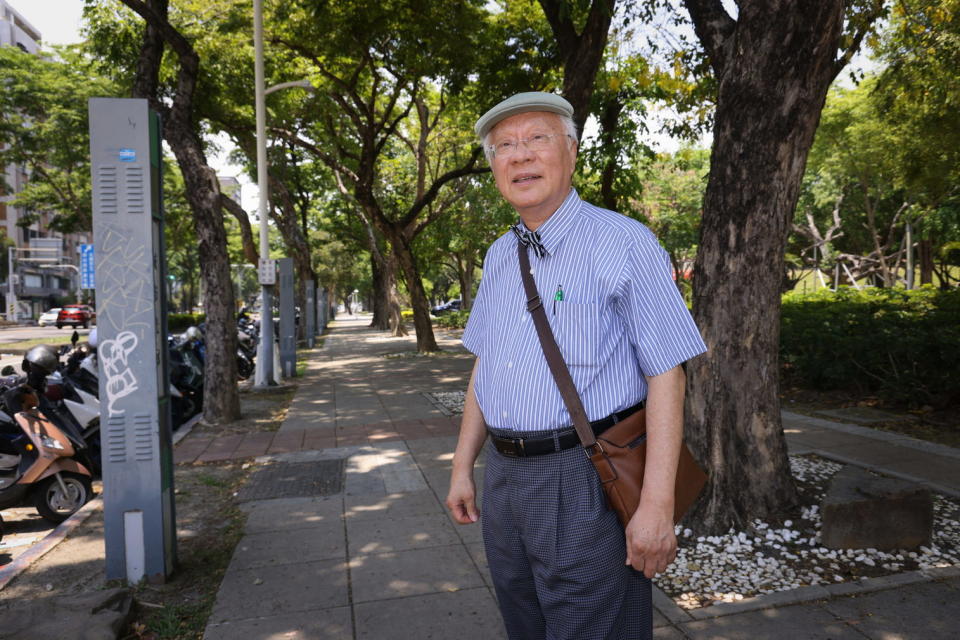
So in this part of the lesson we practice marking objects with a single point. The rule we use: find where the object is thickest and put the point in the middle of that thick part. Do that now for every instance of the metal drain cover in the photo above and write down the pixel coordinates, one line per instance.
(294, 480)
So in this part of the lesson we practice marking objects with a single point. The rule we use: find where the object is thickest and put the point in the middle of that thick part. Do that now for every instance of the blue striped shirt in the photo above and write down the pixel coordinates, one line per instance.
(621, 318)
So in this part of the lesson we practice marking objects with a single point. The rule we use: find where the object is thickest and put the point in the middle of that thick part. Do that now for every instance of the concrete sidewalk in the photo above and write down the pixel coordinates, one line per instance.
(347, 535)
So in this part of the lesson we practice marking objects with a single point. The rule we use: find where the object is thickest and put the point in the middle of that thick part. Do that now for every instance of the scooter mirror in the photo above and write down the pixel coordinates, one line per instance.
(75, 338)
(8, 370)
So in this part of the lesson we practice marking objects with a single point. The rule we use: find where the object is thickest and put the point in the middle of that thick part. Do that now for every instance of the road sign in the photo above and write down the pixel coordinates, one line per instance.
(267, 271)
(87, 280)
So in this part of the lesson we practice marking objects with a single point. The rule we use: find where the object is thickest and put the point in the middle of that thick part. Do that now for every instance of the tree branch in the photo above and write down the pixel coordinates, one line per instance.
(715, 29)
(246, 233)
(874, 13)
(428, 197)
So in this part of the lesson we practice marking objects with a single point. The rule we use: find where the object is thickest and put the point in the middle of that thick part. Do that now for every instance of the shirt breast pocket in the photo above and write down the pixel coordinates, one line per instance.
(578, 332)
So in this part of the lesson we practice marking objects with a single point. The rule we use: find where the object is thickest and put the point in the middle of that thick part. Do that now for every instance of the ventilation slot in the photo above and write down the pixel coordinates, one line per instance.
(107, 189)
(116, 439)
(143, 436)
(134, 183)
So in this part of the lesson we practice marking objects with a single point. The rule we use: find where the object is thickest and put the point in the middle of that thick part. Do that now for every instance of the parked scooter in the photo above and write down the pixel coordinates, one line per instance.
(42, 364)
(186, 375)
(37, 460)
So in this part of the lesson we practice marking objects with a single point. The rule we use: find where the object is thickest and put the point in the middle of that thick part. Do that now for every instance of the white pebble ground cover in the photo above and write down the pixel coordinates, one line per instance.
(769, 557)
(778, 556)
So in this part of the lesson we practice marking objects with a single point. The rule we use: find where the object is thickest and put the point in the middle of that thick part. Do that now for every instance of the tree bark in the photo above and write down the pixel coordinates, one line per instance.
(381, 320)
(925, 258)
(426, 342)
(221, 399)
(465, 271)
(288, 222)
(774, 65)
(251, 252)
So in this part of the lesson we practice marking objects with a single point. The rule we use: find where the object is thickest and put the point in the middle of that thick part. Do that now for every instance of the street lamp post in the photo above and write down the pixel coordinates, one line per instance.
(12, 292)
(264, 373)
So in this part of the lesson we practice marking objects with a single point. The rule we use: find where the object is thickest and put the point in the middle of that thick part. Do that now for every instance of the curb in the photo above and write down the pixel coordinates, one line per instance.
(802, 595)
(875, 434)
(186, 428)
(938, 488)
(49, 541)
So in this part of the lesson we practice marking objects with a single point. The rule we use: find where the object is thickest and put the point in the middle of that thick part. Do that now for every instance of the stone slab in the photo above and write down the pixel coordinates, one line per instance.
(277, 548)
(271, 591)
(667, 633)
(414, 572)
(400, 534)
(862, 511)
(469, 614)
(323, 624)
(806, 622)
(915, 612)
(393, 505)
(287, 514)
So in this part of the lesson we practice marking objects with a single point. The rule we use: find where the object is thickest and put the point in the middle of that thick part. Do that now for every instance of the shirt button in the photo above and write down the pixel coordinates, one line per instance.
(504, 414)
(509, 365)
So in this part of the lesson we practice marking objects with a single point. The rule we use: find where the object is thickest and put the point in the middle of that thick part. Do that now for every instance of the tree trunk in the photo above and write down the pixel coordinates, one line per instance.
(581, 52)
(381, 318)
(465, 272)
(221, 399)
(609, 124)
(774, 65)
(221, 402)
(925, 258)
(287, 219)
(426, 342)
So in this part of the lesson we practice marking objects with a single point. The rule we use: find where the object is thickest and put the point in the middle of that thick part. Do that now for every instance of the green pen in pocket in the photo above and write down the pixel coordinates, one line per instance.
(557, 297)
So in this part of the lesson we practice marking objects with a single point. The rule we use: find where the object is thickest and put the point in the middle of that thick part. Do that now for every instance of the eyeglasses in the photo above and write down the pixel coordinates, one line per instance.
(538, 142)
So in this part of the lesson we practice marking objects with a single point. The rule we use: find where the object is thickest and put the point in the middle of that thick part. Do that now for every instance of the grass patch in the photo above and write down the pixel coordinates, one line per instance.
(179, 609)
(207, 511)
(24, 345)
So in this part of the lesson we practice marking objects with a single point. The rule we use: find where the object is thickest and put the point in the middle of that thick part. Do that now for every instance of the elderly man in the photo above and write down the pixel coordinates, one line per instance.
(562, 565)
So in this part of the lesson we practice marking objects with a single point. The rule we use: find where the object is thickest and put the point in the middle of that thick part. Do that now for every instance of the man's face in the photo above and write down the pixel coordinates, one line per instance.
(534, 182)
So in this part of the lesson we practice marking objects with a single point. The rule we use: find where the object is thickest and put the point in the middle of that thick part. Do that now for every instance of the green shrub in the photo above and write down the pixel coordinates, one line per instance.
(904, 345)
(178, 322)
(453, 319)
(406, 315)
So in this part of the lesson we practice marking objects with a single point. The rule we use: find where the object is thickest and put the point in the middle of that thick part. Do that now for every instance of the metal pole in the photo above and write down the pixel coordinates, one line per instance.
(12, 294)
(909, 243)
(264, 366)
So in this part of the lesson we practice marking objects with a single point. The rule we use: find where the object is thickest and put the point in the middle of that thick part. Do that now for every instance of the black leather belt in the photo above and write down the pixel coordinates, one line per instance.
(566, 438)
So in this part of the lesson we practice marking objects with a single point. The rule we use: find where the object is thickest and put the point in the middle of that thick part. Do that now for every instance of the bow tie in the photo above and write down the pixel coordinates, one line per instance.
(529, 239)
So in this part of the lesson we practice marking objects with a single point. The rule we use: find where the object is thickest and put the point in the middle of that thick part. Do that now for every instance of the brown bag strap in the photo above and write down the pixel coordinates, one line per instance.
(561, 374)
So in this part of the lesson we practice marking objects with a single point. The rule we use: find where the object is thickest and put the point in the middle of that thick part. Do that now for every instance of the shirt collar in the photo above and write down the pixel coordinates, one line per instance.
(559, 223)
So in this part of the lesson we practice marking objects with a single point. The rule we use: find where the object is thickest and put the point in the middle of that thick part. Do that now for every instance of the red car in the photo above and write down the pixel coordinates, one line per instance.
(76, 315)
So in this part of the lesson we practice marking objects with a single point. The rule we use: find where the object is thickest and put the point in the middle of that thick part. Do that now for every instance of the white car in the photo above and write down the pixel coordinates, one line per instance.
(48, 317)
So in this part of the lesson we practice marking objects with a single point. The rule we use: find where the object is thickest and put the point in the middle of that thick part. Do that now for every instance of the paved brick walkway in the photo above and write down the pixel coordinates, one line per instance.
(199, 449)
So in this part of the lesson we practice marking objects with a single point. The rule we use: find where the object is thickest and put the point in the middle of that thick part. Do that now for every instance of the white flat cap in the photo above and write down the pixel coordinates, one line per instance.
(521, 103)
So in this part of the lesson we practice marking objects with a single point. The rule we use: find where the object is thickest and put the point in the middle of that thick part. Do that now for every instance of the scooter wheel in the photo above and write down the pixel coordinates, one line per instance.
(55, 505)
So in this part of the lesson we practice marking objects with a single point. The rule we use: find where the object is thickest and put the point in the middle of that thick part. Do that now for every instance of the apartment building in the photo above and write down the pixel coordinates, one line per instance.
(45, 263)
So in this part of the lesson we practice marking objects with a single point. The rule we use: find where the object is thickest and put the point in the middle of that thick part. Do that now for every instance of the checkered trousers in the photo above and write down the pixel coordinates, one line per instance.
(556, 554)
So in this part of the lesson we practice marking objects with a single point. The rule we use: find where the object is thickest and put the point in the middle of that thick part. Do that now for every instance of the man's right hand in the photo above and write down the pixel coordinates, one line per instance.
(461, 500)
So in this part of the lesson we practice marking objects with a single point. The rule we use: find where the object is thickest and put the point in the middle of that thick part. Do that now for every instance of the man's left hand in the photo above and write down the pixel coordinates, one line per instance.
(651, 541)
